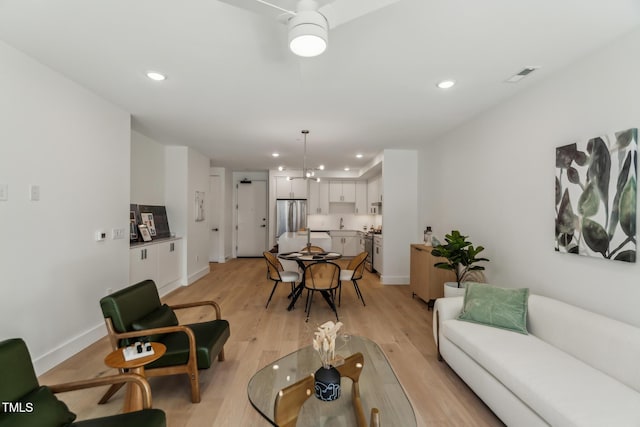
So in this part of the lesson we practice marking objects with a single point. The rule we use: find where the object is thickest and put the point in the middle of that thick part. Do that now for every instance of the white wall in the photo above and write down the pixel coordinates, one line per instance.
(493, 179)
(75, 146)
(399, 213)
(147, 170)
(187, 171)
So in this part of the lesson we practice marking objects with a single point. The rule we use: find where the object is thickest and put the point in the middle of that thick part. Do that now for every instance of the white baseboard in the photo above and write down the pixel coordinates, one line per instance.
(198, 274)
(394, 280)
(68, 348)
(169, 287)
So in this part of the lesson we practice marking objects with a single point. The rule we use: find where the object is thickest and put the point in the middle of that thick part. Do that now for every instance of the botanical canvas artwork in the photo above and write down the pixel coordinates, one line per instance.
(596, 186)
(199, 205)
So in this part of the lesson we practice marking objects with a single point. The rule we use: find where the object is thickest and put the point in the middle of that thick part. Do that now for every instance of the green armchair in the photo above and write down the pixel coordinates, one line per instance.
(136, 311)
(25, 403)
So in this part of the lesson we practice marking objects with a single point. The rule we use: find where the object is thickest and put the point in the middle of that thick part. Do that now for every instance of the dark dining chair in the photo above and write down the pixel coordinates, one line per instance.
(325, 278)
(277, 273)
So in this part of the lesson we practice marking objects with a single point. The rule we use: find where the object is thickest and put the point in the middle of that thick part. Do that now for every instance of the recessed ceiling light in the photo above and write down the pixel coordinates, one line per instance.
(446, 84)
(275, 154)
(346, 169)
(321, 167)
(156, 76)
(359, 156)
(280, 168)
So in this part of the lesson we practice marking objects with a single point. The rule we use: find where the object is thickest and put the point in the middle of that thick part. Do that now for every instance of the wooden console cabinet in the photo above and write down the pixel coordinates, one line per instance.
(427, 281)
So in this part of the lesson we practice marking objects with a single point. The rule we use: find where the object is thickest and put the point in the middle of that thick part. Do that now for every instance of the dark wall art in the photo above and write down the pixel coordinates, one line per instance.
(596, 197)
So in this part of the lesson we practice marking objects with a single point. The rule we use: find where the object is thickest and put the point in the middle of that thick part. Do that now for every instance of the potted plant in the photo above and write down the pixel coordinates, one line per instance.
(461, 257)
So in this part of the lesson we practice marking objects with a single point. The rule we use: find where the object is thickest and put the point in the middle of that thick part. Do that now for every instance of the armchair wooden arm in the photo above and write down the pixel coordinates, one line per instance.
(110, 380)
(214, 304)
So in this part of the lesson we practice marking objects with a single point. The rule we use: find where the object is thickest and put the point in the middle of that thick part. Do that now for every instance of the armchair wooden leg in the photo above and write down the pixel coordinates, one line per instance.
(221, 356)
(112, 390)
(195, 387)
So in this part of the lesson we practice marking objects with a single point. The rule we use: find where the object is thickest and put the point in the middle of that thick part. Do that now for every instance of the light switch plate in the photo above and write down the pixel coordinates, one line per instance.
(117, 233)
(4, 192)
(34, 193)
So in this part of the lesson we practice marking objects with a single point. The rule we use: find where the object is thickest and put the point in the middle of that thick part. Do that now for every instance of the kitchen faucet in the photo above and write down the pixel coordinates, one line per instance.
(341, 224)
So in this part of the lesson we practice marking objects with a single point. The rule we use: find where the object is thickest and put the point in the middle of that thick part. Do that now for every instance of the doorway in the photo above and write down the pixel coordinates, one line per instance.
(251, 218)
(216, 235)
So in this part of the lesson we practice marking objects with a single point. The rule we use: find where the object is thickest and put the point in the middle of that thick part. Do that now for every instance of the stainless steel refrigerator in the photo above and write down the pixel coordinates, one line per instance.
(291, 215)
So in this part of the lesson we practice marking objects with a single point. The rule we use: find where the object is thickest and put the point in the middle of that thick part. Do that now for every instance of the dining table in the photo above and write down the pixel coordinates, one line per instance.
(304, 258)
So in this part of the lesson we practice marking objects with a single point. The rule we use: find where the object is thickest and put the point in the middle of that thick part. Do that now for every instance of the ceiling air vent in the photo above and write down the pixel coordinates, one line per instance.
(521, 74)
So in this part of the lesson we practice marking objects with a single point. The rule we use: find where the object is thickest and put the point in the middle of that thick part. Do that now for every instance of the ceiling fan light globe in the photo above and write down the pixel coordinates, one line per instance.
(308, 34)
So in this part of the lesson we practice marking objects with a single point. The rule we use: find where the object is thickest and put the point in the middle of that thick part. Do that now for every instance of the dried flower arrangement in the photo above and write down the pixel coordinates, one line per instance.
(325, 342)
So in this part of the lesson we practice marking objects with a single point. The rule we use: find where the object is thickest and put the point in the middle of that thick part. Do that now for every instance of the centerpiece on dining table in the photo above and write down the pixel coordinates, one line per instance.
(327, 377)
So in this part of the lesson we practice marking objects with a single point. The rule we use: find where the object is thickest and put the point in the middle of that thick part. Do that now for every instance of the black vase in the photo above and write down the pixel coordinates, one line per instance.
(327, 383)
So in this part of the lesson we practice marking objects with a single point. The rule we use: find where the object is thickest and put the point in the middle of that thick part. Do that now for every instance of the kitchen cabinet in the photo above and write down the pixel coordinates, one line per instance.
(345, 242)
(290, 189)
(425, 280)
(342, 191)
(374, 194)
(143, 263)
(318, 198)
(361, 198)
(157, 260)
(377, 254)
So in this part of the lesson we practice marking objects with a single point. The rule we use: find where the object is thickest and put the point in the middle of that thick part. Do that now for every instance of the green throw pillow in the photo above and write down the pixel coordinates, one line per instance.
(159, 318)
(503, 308)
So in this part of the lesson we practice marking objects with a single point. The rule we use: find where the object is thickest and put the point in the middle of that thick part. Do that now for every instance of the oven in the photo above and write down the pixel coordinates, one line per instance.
(368, 247)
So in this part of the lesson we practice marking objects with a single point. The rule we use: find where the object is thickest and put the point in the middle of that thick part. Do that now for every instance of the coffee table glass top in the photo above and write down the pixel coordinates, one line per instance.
(379, 387)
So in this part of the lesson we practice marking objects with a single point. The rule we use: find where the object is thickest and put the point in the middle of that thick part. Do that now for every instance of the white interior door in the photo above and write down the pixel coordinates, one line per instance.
(252, 219)
(216, 203)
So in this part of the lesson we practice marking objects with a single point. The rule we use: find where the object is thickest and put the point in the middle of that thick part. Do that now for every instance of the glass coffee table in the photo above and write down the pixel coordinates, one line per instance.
(379, 387)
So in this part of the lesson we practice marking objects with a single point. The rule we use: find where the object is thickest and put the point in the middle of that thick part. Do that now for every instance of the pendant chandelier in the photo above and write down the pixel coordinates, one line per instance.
(307, 173)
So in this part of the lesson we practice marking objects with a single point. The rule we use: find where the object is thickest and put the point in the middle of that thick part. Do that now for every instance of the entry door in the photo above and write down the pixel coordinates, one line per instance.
(252, 219)
(216, 203)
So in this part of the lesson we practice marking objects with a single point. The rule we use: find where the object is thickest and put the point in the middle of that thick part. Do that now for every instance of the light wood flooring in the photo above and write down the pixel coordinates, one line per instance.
(399, 324)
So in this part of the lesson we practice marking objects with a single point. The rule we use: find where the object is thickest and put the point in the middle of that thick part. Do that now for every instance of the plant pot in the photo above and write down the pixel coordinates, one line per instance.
(327, 384)
(451, 289)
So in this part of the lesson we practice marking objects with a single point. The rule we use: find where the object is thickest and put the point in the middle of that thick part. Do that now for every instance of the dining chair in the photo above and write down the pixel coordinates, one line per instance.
(277, 273)
(290, 399)
(354, 272)
(312, 248)
(325, 278)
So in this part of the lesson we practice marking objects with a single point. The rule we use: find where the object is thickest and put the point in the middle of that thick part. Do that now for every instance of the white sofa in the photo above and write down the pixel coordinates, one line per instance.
(575, 368)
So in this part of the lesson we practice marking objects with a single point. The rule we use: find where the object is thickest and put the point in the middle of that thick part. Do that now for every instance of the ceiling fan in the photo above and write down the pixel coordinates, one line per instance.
(309, 21)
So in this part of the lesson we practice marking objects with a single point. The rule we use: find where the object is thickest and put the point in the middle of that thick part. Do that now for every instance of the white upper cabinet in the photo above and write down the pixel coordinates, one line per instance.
(374, 193)
(318, 198)
(293, 189)
(361, 198)
(342, 191)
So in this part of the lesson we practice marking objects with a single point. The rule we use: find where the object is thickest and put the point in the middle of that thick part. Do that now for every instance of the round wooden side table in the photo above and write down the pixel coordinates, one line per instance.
(115, 359)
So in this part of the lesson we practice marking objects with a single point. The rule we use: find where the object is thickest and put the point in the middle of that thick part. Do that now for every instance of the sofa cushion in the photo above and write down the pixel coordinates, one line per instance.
(493, 306)
(558, 387)
(40, 408)
(160, 317)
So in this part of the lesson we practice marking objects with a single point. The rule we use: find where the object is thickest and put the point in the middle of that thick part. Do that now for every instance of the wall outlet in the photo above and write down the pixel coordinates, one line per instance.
(100, 236)
(117, 233)
(4, 192)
